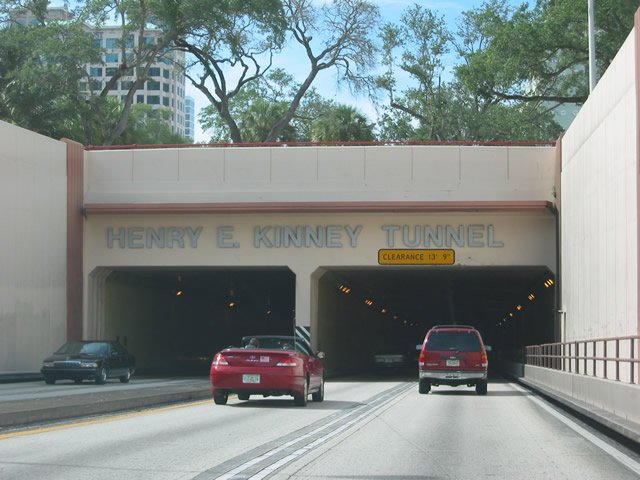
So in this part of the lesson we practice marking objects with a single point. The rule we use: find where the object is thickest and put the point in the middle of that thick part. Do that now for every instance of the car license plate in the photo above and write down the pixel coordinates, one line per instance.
(453, 363)
(250, 378)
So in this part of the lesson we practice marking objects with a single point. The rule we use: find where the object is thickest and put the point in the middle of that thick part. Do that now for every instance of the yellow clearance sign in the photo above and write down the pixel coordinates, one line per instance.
(416, 257)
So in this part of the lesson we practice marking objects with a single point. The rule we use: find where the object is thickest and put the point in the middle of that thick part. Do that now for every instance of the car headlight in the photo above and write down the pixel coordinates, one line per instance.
(47, 364)
(88, 364)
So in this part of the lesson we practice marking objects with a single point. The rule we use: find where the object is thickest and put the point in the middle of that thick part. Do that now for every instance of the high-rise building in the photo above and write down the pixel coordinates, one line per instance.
(165, 87)
(189, 119)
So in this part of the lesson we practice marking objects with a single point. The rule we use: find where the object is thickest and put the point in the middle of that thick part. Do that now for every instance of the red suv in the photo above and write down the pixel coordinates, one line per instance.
(453, 355)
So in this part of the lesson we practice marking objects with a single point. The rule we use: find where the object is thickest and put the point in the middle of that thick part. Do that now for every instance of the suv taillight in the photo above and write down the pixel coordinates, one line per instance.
(483, 359)
(421, 358)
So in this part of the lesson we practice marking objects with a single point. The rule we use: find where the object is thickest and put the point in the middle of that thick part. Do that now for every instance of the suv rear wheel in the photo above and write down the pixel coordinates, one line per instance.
(481, 387)
(424, 386)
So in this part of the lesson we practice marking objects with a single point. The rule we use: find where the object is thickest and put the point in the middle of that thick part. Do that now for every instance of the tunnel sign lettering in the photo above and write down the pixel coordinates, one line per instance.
(419, 238)
(416, 257)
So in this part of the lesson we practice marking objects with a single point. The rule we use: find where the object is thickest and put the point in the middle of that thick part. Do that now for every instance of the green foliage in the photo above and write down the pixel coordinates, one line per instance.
(149, 126)
(432, 108)
(259, 106)
(542, 52)
(342, 124)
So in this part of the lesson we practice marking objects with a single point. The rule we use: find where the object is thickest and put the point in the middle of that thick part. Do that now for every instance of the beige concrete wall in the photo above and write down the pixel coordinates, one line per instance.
(33, 196)
(599, 272)
(272, 174)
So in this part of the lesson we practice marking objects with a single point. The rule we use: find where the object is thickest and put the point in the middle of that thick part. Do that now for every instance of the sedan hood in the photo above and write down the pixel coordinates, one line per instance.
(56, 357)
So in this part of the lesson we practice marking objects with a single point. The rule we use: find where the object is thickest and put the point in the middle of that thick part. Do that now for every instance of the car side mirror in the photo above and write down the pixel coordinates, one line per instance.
(320, 355)
(419, 347)
(487, 348)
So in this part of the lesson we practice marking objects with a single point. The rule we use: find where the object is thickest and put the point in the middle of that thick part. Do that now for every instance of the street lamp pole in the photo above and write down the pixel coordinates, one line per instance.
(592, 47)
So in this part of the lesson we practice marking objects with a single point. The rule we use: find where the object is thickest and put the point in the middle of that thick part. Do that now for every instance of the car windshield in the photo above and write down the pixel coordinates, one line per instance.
(458, 341)
(80, 348)
(275, 343)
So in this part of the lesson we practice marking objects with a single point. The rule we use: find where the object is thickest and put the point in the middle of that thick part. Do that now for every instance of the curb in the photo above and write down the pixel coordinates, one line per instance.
(101, 406)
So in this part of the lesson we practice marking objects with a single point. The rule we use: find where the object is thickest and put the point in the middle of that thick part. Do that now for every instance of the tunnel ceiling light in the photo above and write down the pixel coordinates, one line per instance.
(383, 310)
(510, 314)
(395, 317)
(179, 293)
(549, 282)
(531, 297)
(268, 312)
(368, 301)
(344, 289)
(232, 304)
(518, 307)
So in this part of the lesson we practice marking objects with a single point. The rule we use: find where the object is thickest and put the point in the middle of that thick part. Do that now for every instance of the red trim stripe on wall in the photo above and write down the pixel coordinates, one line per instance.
(75, 238)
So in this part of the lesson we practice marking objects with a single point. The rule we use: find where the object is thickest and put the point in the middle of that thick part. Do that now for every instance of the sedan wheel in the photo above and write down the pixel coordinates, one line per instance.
(220, 398)
(301, 399)
(125, 378)
(101, 376)
(49, 380)
(319, 395)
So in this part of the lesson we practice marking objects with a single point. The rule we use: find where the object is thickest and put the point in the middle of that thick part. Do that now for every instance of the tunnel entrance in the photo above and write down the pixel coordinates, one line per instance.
(363, 311)
(174, 319)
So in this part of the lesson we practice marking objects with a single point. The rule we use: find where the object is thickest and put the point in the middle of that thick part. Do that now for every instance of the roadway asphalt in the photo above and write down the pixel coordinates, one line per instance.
(33, 402)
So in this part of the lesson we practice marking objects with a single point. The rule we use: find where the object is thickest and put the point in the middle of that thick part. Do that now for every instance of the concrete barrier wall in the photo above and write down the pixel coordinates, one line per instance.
(617, 398)
(599, 214)
(33, 219)
(307, 174)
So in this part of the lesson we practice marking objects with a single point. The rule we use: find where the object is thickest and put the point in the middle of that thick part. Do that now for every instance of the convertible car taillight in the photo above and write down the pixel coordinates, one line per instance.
(287, 362)
(219, 360)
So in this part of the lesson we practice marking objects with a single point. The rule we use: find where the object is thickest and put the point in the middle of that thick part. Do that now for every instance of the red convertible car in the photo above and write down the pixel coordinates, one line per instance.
(268, 365)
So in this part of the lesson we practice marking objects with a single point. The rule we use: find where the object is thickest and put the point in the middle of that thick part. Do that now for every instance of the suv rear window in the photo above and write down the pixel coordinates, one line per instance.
(458, 341)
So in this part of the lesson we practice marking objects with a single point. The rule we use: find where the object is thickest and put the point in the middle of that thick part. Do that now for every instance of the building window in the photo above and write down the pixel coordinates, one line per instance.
(83, 86)
(154, 72)
(112, 42)
(165, 87)
(153, 85)
(165, 101)
(129, 42)
(165, 73)
(139, 98)
(153, 100)
(95, 71)
(111, 58)
(96, 85)
(126, 85)
(111, 71)
(149, 40)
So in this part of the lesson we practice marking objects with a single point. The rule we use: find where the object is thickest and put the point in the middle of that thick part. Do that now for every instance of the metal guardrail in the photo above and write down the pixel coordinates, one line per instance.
(614, 358)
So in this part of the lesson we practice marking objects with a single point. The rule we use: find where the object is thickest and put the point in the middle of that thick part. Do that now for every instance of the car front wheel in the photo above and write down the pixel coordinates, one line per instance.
(49, 380)
(101, 376)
